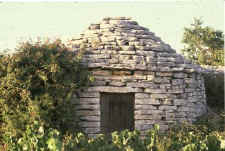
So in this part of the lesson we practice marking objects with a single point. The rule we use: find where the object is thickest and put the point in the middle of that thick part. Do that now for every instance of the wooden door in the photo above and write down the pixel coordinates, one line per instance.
(117, 112)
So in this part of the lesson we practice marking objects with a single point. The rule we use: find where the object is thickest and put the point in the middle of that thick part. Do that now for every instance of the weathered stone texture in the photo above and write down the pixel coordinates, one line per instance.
(127, 58)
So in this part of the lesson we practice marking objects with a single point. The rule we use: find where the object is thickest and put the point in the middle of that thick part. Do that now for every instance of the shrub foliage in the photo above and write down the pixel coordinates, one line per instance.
(182, 138)
(203, 45)
(37, 84)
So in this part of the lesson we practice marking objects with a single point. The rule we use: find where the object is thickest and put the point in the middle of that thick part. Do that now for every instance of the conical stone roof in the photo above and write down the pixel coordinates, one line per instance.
(121, 43)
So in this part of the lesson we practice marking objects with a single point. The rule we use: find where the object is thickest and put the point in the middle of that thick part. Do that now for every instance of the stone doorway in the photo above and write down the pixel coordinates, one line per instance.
(117, 112)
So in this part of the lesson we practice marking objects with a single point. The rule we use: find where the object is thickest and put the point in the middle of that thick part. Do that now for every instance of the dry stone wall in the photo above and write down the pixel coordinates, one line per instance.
(127, 58)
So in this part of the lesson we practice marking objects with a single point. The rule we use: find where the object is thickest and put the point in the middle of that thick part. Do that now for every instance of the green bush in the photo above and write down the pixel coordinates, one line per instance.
(37, 83)
(181, 138)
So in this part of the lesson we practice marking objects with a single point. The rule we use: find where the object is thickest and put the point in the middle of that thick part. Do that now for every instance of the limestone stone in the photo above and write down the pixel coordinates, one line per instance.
(90, 118)
(161, 96)
(117, 83)
(98, 83)
(92, 130)
(89, 101)
(89, 95)
(167, 107)
(128, 52)
(87, 107)
(102, 72)
(87, 113)
(143, 122)
(147, 112)
(141, 95)
(147, 101)
(179, 102)
(180, 75)
(141, 127)
(89, 124)
(152, 90)
(139, 84)
(121, 72)
(114, 89)
(164, 74)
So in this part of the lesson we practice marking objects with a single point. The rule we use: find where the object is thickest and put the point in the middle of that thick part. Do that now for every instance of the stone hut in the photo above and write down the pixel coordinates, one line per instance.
(139, 80)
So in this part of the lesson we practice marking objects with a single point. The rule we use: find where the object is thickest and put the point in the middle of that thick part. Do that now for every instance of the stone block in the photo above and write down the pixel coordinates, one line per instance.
(140, 67)
(167, 108)
(141, 95)
(87, 113)
(165, 86)
(181, 114)
(144, 107)
(112, 52)
(147, 101)
(139, 84)
(89, 94)
(181, 102)
(175, 91)
(161, 80)
(102, 72)
(117, 83)
(150, 77)
(143, 122)
(183, 109)
(108, 78)
(90, 118)
(126, 52)
(152, 90)
(161, 96)
(177, 81)
(96, 65)
(166, 101)
(146, 53)
(127, 48)
(141, 127)
(138, 59)
(180, 75)
(91, 130)
(164, 74)
(121, 72)
(147, 112)
(113, 89)
(87, 107)
(164, 69)
(113, 61)
(89, 124)
(88, 101)
(135, 77)
(98, 83)
(163, 127)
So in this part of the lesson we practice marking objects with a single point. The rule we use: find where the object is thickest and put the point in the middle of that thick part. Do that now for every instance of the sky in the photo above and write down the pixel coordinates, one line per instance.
(21, 21)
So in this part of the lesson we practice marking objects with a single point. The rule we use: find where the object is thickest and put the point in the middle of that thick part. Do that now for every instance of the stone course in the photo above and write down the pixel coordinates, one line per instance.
(125, 57)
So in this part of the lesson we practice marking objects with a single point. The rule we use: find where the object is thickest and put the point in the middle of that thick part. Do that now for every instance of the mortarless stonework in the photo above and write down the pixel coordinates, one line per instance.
(125, 57)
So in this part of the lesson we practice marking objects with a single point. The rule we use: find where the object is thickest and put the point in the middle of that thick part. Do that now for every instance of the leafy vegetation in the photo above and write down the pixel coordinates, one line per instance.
(203, 45)
(182, 138)
(37, 84)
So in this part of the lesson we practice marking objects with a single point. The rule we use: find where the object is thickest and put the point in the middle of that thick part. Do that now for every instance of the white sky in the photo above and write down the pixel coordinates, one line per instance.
(166, 18)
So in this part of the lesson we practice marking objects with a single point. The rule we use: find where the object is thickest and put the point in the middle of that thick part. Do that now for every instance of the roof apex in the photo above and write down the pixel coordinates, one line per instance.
(117, 18)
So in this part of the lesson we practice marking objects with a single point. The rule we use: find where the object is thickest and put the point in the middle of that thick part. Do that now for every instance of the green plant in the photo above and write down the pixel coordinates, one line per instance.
(37, 83)
(203, 45)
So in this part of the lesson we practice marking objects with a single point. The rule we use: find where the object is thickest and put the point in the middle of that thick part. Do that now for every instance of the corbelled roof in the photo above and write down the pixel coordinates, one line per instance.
(120, 43)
